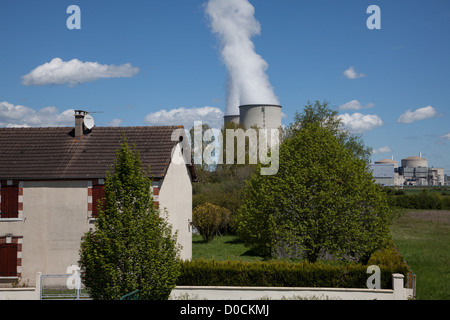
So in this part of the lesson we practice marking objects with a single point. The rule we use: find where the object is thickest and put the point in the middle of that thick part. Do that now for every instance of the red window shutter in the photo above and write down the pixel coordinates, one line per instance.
(8, 260)
(4, 206)
(10, 202)
(98, 193)
(12, 259)
(13, 202)
(3, 260)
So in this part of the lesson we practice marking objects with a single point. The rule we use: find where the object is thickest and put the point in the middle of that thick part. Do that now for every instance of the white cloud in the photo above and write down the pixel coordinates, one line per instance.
(359, 122)
(350, 73)
(420, 114)
(115, 123)
(75, 72)
(382, 150)
(21, 116)
(446, 136)
(355, 105)
(186, 117)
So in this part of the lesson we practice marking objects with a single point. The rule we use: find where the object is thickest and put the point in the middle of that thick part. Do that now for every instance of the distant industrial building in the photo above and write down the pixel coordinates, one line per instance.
(414, 171)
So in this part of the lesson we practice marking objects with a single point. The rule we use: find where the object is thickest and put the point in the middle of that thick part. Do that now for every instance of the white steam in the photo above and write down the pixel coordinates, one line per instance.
(235, 24)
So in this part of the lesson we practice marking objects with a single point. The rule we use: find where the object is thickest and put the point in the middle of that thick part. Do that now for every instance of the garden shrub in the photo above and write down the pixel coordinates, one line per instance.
(209, 219)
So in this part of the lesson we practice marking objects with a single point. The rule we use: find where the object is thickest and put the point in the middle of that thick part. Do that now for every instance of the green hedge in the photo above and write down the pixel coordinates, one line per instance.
(289, 274)
(424, 200)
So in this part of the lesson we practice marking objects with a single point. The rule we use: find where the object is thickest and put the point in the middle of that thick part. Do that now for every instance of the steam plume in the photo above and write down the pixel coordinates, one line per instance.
(235, 24)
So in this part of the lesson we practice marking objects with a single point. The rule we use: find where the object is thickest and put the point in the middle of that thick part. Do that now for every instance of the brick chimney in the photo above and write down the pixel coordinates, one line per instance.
(79, 126)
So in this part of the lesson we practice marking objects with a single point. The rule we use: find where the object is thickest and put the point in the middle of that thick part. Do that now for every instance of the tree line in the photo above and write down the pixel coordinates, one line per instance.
(424, 200)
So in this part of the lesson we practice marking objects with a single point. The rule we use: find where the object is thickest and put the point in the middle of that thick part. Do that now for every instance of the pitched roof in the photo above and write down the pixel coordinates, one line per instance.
(54, 153)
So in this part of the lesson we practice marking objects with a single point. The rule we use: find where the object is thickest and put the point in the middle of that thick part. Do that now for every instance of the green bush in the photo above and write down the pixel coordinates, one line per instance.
(424, 200)
(209, 219)
(282, 273)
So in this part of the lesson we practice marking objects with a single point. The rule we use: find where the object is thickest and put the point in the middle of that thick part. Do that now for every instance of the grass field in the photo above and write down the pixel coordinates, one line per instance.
(423, 239)
(221, 249)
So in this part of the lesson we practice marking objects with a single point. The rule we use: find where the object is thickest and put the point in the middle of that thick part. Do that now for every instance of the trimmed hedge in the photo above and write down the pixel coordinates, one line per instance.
(278, 273)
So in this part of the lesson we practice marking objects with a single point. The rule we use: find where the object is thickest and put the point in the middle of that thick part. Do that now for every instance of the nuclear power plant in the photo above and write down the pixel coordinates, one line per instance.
(414, 171)
(267, 116)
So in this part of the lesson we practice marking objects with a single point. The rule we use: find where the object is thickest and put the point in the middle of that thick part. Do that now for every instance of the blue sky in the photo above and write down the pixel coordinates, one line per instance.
(158, 62)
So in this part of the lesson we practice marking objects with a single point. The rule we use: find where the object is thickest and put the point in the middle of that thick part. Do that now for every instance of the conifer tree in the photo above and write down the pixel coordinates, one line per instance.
(132, 246)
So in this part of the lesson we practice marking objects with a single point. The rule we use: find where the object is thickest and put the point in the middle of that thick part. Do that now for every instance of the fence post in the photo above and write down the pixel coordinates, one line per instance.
(398, 286)
(37, 290)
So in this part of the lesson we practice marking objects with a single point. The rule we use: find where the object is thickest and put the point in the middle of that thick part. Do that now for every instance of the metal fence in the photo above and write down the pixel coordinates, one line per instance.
(61, 287)
(135, 295)
(411, 282)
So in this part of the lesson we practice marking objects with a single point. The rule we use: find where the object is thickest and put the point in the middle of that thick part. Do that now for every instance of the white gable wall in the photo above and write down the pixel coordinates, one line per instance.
(176, 197)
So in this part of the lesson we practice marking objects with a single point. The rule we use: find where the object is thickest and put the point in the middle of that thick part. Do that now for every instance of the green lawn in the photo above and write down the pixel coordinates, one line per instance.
(423, 239)
(221, 249)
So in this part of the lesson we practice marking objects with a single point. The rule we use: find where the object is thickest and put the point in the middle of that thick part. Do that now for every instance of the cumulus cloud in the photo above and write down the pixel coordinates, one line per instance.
(350, 73)
(186, 117)
(360, 123)
(115, 123)
(14, 116)
(382, 150)
(74, 72)
(355, 105)
(420, 114)
(446, 136)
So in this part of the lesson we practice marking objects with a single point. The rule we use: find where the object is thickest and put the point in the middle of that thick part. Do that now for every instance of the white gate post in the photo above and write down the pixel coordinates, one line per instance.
(398, 286)
(37, 291)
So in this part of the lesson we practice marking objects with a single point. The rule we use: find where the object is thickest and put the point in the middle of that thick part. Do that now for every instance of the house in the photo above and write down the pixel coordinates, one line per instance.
(51, 179)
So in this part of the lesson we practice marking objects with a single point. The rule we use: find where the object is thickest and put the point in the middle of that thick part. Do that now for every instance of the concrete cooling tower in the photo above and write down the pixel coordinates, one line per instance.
(267, 116)
(232, 119)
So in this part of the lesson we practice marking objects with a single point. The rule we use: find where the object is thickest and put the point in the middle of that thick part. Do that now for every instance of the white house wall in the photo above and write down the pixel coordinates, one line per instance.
(53, 222)
(176, 196)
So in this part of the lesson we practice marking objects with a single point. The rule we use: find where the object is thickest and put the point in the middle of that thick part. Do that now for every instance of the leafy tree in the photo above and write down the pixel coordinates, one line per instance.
(327, 117)
(323, 202)
(132, 246)
(209, 219)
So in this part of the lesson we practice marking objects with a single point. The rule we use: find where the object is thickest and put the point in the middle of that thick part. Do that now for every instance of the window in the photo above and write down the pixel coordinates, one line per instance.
(9, 201)
(8, 259)
(98, 193)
